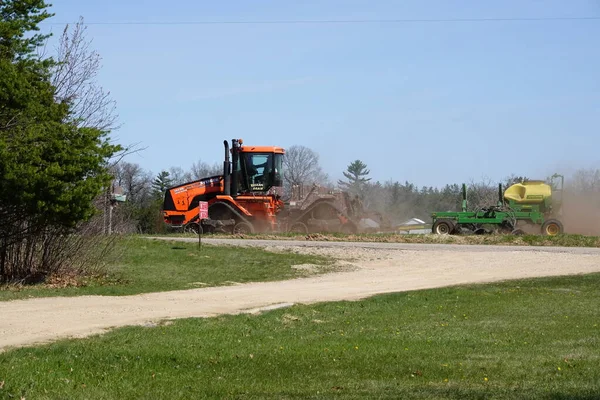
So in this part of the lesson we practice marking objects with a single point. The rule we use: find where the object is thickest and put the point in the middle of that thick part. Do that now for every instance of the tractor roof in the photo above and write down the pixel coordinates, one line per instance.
(262, 149)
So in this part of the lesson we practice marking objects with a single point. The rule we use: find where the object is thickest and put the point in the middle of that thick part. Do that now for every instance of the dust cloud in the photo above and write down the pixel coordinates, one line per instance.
(581, 213)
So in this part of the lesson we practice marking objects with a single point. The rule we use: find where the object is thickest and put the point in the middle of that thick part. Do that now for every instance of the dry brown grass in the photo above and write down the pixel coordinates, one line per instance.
(566, 240)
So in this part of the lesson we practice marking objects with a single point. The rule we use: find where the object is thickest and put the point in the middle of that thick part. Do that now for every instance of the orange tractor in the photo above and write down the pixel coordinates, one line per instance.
(247, 199)
(244, 199)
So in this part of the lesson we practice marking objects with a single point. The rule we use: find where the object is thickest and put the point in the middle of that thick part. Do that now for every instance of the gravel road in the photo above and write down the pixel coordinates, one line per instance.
(370, 268)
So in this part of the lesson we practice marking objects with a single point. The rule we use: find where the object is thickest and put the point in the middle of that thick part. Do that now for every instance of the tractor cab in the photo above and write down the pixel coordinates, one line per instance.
(253, 169)
(259, 169)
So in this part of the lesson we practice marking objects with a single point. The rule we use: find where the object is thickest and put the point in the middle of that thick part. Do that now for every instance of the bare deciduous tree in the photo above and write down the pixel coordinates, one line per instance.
(301, 167)
(202, 169)
(178, 176)
(74, 77)
(134, 180)
(482, 194)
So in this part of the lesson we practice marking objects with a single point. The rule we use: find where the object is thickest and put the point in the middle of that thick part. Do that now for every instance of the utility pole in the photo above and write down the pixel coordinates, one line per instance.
(104, 229)
(110, 212)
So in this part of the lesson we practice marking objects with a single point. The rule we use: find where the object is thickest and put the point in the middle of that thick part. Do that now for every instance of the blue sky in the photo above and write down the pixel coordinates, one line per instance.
(431, 103)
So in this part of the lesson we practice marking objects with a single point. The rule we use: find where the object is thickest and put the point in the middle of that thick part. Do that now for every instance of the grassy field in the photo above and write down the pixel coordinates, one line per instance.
(152, 266)
(531, 339)
(565, 240)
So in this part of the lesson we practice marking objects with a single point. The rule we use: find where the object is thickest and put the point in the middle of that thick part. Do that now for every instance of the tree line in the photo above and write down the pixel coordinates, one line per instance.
(397, 201)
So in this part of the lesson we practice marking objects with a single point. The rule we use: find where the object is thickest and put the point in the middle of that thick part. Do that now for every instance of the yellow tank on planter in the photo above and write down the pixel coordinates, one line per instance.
(531, 202)
(531, 192)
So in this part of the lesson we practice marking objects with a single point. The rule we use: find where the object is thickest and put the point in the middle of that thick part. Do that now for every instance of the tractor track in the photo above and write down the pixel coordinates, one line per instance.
(374, 268)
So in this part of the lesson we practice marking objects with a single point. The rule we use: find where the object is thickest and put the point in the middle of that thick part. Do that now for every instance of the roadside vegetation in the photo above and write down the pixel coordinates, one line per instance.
(514, 340)
(564, 240)
(55, 147)
(140, 265)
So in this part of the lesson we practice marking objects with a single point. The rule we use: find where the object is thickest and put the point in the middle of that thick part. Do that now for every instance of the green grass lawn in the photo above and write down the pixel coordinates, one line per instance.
(152, 265)
(531, 339)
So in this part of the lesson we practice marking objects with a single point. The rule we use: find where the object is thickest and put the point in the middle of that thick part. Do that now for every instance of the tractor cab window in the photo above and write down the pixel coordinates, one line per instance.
(260, 171)
(259, 166)
(278, 170)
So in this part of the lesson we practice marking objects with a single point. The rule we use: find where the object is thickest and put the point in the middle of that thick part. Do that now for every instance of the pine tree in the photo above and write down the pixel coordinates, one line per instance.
(161, 183)
(356, 174)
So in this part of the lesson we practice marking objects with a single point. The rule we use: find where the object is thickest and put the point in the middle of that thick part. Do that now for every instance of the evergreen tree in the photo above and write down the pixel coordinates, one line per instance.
(356, 174)
(160, 184)
(50, 170)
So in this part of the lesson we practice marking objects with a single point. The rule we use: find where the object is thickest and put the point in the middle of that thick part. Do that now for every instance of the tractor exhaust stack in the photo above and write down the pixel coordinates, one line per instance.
(227, 170)
(235, 158)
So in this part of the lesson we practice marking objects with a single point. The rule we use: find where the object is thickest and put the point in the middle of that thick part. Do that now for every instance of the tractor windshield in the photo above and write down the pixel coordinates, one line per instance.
(260, 171)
